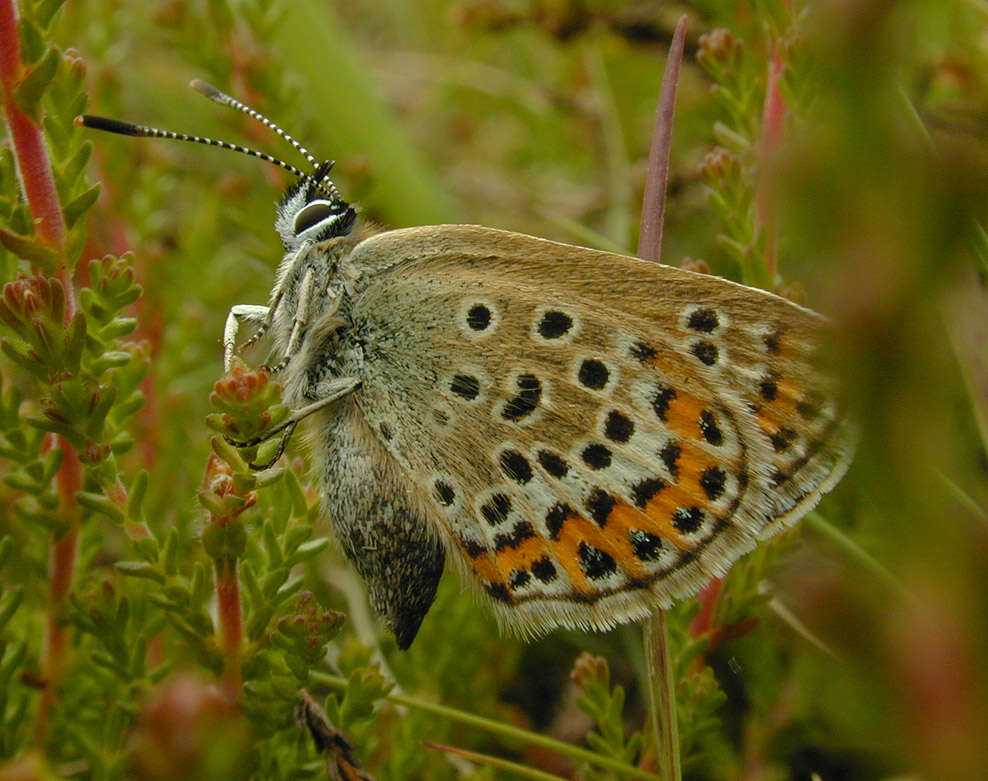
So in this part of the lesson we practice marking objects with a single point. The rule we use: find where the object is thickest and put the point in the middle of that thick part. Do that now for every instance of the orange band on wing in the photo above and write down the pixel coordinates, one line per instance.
(520, 557)
(656, 518)
(683, 415)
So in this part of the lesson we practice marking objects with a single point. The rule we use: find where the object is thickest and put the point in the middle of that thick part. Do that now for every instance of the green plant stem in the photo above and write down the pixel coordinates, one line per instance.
(822, 526)
(663, 696)
(773, 126)
(616, 152)
(491, 761)
(504, 730)
(969, 502)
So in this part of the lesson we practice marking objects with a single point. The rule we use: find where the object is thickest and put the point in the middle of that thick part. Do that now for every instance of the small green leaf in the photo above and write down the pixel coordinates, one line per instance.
(51, 463)
(249, 580)
(22, 221)
(291, 588)
(55, 427)
(275, 557)
(299, 504)
(76, 164)
(9, 603)
(272, 583)
(78, 206)
(311, 548)
(200, 582)
(227, 452)
(148, 548)
(123, 611)
(111, 359)
(75, 341)
(32, 41)
(170, 557)
(140, 569)
(32, 88)
(295, 536)
(12, 660)
(129, 406)
(101, 504)
(59, 137)
(213, 503)
(122, 442)
(27, 248)
(45, 11)
(138, 655)
(178, 593)
(258, 622)
(22, 481)
(270, 476)
(135, 499)
(117, 328)
(158, 673)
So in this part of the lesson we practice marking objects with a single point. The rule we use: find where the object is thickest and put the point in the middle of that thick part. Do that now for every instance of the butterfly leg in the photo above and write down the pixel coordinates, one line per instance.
(328, 392)
(302, 317)
(238, 314)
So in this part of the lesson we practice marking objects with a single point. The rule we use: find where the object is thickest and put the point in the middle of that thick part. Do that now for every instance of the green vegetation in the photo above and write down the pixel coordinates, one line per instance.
(833, 151)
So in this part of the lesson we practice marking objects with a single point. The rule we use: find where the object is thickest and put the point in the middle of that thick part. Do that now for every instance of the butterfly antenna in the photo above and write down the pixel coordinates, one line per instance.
(222, 98)
(130, 129)
(324, 183)
(321, 175)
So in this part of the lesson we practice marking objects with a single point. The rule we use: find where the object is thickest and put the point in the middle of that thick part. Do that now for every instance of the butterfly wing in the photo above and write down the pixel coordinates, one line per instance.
(590, 435)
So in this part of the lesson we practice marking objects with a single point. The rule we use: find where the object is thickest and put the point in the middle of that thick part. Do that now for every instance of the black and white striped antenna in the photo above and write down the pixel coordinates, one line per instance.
(222, 98)
(123, 128)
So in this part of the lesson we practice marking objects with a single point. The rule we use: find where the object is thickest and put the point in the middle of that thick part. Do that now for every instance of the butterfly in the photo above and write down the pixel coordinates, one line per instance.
(586, 436)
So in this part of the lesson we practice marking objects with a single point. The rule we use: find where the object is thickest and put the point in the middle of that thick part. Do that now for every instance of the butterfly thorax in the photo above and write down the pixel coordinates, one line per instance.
(310, 298)
(311, 309)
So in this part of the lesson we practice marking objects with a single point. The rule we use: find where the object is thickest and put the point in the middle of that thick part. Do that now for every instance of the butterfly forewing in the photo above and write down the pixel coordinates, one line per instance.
(592, 435)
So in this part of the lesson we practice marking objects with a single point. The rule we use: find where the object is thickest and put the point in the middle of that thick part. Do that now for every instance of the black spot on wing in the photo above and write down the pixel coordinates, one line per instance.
(618, 427)
(704, 320)
(554, 324)
(522, 405)
(595, 562)
(593, 374)
(516, 466)
(479, 317)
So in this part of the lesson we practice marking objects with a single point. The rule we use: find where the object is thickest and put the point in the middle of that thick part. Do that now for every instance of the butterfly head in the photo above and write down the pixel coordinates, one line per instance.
(312, 210)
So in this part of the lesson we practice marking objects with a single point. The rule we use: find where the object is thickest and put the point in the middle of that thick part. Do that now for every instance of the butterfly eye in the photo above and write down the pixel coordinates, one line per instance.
(312, 214)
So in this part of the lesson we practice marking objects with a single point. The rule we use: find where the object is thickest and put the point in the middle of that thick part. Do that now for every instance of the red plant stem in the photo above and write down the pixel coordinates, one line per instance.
(61, 569)
(231, 624)
(703, 621)
(29, 143)
(42, 198)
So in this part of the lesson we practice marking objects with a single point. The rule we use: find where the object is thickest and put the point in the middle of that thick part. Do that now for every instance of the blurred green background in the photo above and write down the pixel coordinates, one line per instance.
(867, 656)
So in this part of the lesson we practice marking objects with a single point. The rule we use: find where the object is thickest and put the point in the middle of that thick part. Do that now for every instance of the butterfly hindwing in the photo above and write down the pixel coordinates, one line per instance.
(593, 435)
